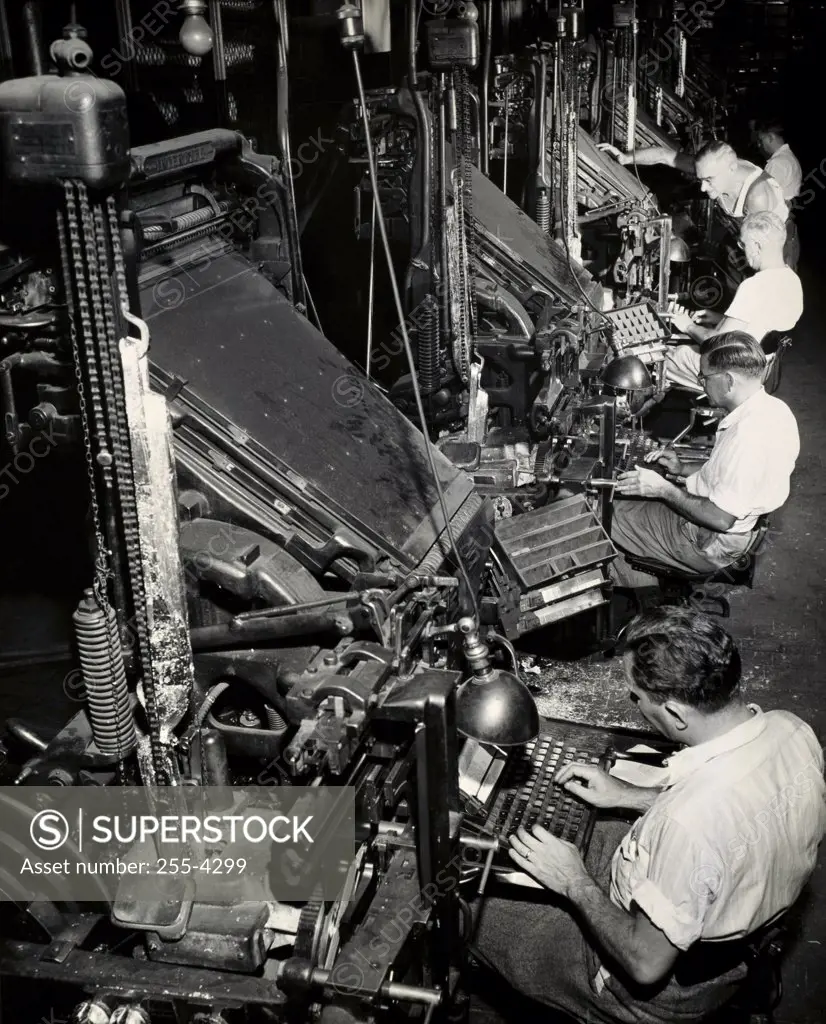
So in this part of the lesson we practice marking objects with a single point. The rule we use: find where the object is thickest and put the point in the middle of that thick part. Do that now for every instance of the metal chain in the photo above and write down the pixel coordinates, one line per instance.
(73, 260)
(571, 107)
(464, 340)
(161, 763)
(102, 568)
(86, 263)
(466, 165)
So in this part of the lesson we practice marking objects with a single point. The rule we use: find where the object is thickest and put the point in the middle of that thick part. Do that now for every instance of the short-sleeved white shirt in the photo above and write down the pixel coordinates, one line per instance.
(785, 168)
(770, 300)
(732, 839)
(754, 454)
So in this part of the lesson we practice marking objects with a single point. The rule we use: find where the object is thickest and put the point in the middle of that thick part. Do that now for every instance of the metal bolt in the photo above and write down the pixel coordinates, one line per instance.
(249, 719)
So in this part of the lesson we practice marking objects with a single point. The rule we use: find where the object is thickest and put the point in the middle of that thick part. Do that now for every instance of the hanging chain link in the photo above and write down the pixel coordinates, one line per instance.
(72, 260)
(463, 200)
(94, 237)
(465, 115)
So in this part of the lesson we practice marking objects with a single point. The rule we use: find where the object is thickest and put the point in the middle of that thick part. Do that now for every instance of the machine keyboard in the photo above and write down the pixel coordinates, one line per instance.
(528, 796)
(631, 448)
(503, 794)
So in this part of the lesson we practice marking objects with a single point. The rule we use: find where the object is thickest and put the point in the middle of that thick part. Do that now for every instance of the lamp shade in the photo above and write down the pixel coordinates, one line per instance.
(499, 710)
(680, 252)
(626, 373)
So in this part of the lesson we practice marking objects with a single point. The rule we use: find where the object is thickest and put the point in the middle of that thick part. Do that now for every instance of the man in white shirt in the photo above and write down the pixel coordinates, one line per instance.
(726, 841)
(707, 524)
(785, 168)
(770, 300)
(782, 164)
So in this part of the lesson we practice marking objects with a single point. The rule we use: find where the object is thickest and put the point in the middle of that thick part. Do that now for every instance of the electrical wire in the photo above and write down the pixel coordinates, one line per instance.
(280, 9)
(560, 194)
(370, 291)
(374, 184)
(312, 304)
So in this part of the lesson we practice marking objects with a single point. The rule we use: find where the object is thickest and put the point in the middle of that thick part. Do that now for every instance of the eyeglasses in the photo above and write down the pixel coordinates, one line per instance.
(703, 377)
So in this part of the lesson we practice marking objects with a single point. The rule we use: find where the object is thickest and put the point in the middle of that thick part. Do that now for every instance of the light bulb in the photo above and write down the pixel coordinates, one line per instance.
(196, 35)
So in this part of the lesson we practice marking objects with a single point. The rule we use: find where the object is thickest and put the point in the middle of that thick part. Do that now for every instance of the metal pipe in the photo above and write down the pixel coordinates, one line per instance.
(123, 14)
(541, 120)
(26, 735)
(206, 638)
(444, 188)
(6, 63)
(219, 61)
(412, 24)
(484, 117)
(425, 155)
(283, 123)
(33, 36)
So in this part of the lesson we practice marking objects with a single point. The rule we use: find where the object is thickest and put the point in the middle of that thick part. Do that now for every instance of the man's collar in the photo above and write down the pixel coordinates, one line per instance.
(685, 762)
(742, 409)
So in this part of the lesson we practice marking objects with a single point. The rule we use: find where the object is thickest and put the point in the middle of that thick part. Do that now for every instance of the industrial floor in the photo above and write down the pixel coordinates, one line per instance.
(778, 625)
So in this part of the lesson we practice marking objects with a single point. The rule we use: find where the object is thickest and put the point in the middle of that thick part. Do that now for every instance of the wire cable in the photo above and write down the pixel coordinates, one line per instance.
(312, 304)
(370, 292)
(374, 184)
(560, 194)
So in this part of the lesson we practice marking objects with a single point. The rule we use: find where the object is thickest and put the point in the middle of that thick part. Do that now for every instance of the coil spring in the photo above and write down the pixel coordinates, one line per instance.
(275, 721)
(104, 676)
(429, 346)
(435, 558)
(235, 55)
(543, 211)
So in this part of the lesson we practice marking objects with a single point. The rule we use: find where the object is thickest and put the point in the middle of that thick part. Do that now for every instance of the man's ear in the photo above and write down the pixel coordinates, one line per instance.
(677, 713)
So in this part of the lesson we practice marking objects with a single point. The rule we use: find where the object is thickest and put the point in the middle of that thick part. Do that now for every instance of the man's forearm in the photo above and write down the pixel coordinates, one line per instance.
(654, 155)
(697, 510)
(649, 157)
(638, 798)
(612, 927)
(697, 332)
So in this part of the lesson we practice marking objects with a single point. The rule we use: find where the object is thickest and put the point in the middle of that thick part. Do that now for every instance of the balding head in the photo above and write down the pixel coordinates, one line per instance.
(762, 237)
(716, 167)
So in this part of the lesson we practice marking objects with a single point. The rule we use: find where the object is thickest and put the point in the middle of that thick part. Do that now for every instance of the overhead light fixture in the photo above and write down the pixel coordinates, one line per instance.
(195, 35)
(492, 706)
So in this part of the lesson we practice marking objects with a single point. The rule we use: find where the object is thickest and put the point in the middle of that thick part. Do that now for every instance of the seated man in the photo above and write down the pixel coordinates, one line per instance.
(726, 842)
(707, 524)
(770, 300)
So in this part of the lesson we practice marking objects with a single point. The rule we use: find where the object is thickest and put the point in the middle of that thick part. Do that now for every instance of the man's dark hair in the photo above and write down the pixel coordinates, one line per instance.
(735, 350)
(679, 654)
(771, 125)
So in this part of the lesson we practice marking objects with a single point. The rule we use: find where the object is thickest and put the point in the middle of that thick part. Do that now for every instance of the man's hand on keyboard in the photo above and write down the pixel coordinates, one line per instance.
(707, 317)
(553, 862)
(681, 322)
(642, 483)
(666, 458)
(593, 785)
